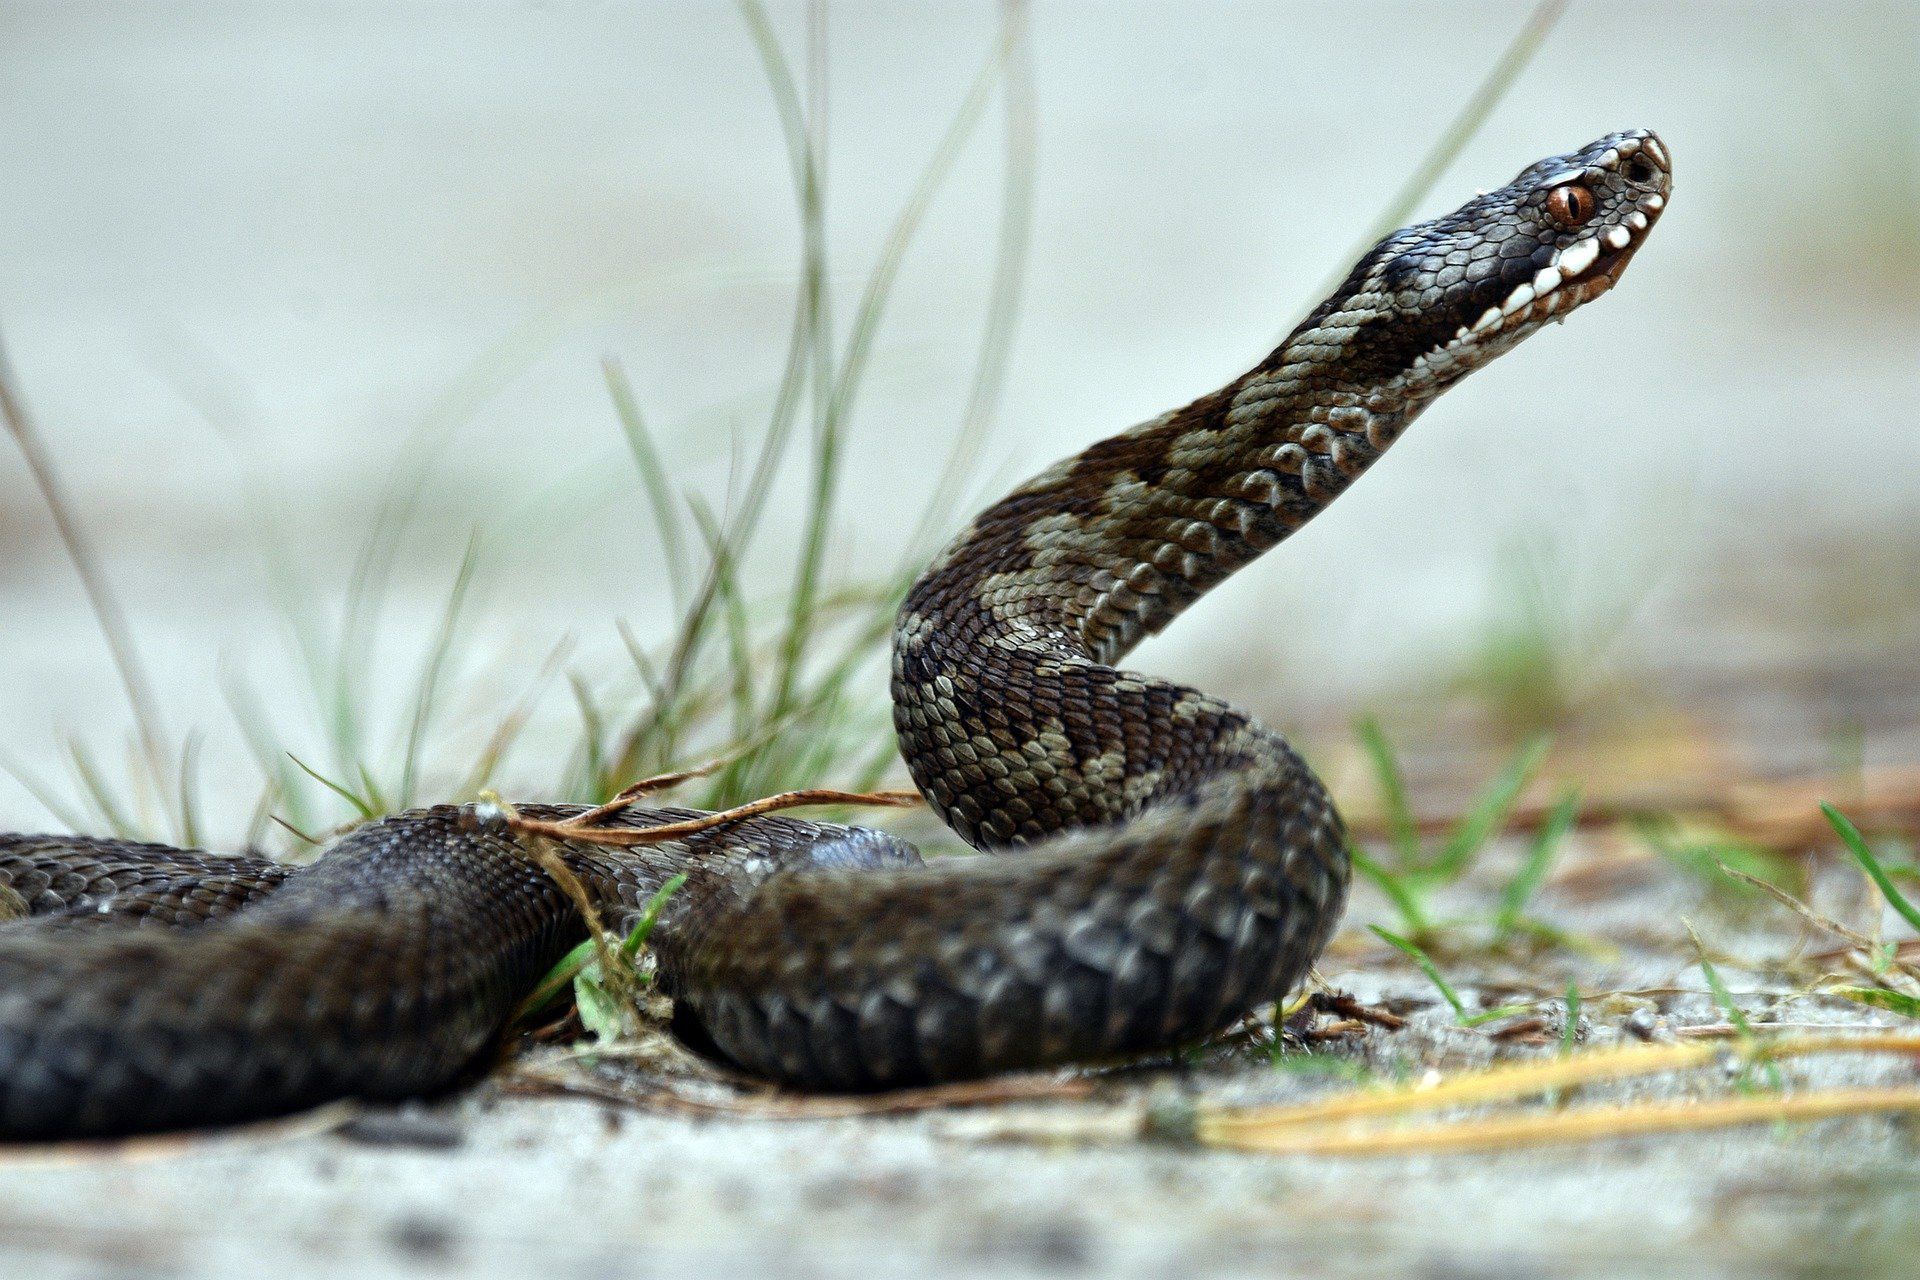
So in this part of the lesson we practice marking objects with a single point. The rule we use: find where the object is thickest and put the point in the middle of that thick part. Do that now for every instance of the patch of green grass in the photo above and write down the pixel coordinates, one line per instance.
(604, 1000)
(790, 688)
(790, 702)
(1418, 870)
(1314, 1062)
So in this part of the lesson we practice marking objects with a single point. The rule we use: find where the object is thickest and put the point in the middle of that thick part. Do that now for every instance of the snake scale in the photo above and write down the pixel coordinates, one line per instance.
(1164, 866)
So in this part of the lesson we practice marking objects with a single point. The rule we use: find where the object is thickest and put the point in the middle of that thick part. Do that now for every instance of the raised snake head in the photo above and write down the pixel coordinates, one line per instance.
(1437, 299)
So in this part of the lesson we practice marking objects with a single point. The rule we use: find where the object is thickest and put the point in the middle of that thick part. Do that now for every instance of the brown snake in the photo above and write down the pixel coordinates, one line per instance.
(1177, 865)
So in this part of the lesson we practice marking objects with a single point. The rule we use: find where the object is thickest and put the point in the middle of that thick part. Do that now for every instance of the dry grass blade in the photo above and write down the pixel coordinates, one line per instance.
(1466, 123)
(659, 1095)
(168, 1146)
(638, 791)
(1585, 1124)
(86, 565)
(623, 837)
(1862, 944)
(1261, 1125)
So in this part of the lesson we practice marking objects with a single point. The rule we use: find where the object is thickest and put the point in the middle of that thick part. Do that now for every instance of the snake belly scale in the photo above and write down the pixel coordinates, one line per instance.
(1160, 864)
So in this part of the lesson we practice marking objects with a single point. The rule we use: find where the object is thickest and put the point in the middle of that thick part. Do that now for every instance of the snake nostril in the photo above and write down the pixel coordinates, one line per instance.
(1640, 170)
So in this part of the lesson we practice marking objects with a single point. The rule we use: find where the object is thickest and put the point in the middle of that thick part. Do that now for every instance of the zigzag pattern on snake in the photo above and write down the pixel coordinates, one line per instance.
(1161, 864)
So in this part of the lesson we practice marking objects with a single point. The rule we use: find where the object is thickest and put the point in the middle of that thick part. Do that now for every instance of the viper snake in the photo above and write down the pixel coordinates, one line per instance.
(1161, 864)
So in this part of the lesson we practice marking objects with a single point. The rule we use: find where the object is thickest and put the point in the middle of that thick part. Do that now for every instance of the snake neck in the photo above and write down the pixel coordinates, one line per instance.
(1109, 546)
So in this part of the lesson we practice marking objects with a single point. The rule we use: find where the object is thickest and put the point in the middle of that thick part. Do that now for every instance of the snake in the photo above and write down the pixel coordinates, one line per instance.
(1152, 864)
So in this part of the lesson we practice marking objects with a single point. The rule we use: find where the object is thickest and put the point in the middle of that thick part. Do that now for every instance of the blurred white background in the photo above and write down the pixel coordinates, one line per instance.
(252, 251)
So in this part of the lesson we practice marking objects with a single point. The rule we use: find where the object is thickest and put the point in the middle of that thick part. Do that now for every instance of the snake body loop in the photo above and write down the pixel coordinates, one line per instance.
(1160, 863)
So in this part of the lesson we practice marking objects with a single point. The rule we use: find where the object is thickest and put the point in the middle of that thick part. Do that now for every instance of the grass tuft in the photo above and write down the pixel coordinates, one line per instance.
(1417, 871)
(584, 968)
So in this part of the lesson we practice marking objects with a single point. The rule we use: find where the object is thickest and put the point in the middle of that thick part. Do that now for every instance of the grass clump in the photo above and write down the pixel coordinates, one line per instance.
(783, 687)
(604, 1001)
(1418, 868)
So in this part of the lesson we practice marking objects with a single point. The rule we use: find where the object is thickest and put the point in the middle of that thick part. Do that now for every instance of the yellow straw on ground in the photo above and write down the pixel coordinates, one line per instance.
(1322, 1126)
(1586, 1124)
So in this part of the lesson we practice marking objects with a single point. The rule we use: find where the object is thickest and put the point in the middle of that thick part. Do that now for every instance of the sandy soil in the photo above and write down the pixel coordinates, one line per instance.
(495, 1183)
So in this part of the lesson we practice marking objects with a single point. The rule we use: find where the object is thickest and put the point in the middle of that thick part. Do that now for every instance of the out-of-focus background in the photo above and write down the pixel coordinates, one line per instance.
(259, 259)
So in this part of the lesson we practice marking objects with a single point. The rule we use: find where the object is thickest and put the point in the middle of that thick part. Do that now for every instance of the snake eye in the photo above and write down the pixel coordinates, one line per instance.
(1570, 205)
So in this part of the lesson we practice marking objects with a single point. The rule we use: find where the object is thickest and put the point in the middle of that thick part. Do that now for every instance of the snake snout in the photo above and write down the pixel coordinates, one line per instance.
(1651, 166)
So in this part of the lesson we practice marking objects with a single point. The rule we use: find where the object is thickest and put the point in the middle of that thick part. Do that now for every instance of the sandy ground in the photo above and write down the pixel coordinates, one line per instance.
(496, 1183)
(566, 1189)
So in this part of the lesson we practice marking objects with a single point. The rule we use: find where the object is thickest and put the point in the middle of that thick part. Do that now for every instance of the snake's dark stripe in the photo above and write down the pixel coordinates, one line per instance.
(1167, 865)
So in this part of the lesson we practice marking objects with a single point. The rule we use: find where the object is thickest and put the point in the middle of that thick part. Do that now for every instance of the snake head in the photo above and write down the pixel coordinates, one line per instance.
(1434, 300)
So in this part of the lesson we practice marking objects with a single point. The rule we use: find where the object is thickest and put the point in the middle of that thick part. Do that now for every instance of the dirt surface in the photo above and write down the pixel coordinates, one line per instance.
(497, 1183)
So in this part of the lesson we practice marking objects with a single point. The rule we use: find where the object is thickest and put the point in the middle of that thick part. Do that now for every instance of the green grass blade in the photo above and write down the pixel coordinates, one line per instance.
(576, 961)
(1404, 896)
(1532, 874)
(654, 479)
(258, 736)
(1425, 964)
(506, 733)
(1489, 812)
(1857, 845)
(740, 654)
(365, 809)
(97, 790)
(108, 614)
(556, 980)
(650, 916)
(189, 794)
(1742, 1027)
(592, 737)
(1880, 998)
(1414, 952)
(1011, 243)
(846, 384)
(370, 790)
(1724, 998)
(262, 818)
(45, 796)
(434, 670)
(1393, 790)
(341, 698)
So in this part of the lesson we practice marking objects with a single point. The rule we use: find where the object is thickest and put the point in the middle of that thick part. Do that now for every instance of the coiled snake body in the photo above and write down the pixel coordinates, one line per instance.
(1165, 864)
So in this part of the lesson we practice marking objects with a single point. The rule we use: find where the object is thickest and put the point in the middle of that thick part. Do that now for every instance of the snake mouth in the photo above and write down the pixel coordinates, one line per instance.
(1612, 264)
(1577, 274)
